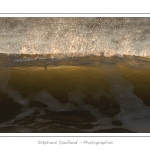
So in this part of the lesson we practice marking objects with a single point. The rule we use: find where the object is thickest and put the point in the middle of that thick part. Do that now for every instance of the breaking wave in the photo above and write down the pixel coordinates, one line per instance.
(74, 75)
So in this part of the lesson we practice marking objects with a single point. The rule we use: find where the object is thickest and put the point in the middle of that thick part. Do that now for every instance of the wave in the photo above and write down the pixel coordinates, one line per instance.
(80, 74)
(103, 92)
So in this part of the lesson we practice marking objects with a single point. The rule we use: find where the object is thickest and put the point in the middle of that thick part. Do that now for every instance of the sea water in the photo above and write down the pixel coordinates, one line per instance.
(74, 75)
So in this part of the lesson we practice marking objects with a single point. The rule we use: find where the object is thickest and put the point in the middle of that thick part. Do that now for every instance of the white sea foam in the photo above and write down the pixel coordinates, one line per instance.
(76, 96)
(52, 103)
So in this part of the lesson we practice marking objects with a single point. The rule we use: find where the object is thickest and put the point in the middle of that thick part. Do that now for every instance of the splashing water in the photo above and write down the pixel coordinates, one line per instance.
(75, 36)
